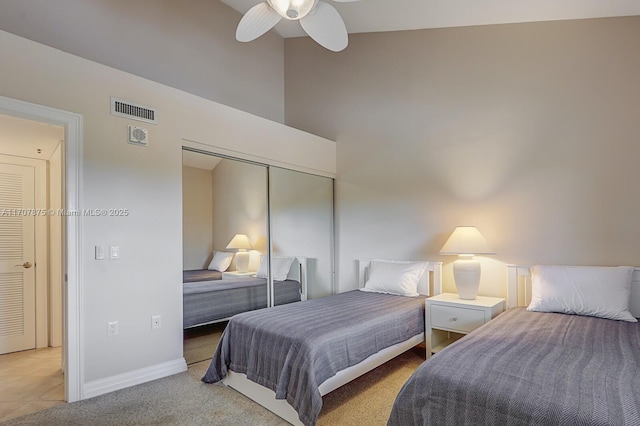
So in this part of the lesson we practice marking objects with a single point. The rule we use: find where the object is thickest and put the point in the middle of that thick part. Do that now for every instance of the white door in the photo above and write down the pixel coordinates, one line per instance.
(17, 277)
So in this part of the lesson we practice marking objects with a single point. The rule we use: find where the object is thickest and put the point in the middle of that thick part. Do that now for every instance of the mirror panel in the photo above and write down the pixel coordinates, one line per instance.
(301, 218)
(222, 198)
(240, 207)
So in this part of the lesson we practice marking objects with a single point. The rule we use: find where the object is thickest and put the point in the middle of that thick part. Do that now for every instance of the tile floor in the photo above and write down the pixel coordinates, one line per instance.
(30, 381)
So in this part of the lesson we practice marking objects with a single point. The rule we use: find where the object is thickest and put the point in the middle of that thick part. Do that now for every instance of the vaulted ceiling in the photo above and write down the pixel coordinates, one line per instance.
(366, 16)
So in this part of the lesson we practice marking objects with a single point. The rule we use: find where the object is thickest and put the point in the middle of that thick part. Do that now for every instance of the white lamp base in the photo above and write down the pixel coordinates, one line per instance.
(466, 273)
(242, 261)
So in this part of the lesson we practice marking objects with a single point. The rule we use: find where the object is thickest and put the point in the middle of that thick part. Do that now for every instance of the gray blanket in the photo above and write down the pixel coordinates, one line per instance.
(200, 275)
(528, 368)
(292, 349)
(207, 301)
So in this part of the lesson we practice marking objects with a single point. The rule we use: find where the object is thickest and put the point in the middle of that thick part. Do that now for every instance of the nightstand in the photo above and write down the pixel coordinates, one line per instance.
(236, 274)
(446, 313)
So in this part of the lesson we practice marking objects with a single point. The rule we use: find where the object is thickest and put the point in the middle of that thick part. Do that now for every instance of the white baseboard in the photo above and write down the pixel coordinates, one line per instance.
(121, 381)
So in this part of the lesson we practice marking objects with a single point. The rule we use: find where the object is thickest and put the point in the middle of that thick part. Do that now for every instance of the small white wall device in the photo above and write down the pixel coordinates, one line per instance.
(138, 136)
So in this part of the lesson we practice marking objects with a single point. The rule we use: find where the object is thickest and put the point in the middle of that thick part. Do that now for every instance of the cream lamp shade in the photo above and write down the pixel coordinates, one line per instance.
(466, 242)
(241, 243)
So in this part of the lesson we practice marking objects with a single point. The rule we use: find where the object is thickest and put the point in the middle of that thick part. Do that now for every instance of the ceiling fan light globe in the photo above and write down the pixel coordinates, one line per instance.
(292, 10)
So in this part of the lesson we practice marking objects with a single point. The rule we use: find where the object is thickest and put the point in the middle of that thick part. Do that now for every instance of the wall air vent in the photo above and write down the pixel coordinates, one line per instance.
(128, 109)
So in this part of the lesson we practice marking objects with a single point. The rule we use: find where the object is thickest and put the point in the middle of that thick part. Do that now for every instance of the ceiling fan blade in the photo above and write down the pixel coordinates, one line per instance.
(326, 27)
(257, 21)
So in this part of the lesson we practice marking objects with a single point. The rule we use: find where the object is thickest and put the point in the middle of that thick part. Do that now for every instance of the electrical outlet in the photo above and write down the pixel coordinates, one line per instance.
(112, 328)
(155, 322)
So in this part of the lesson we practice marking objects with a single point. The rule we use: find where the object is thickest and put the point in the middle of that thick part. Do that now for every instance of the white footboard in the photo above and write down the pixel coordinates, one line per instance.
(267, 398)
(263, 396)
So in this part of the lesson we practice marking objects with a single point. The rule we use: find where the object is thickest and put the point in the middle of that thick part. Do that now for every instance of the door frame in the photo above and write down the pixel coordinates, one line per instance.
(73, 306)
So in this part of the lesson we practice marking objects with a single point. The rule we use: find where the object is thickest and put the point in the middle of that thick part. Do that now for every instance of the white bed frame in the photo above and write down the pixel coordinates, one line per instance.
(430, 284)
(519, 288)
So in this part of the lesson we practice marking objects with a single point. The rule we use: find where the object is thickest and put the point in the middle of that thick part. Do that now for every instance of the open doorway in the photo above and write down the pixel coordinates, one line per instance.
(31, 264)
(72, 353)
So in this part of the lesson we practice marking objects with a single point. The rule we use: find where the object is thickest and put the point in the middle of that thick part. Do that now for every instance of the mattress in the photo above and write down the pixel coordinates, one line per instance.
(208, 301)
(292, 349)
(529, 368)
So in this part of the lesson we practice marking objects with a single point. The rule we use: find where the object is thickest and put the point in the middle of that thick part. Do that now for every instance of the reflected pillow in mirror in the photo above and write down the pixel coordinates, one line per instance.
(281, 266)
(221, 261)
(395, 277)
(263, 268)
(602, 292)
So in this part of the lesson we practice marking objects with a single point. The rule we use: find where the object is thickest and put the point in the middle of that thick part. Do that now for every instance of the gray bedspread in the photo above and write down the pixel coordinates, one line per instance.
(207, 301)
(529, 368)
(193, 275)
(292, 349)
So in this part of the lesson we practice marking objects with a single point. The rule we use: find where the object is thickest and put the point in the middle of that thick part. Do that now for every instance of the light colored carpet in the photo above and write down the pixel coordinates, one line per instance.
(182, 399)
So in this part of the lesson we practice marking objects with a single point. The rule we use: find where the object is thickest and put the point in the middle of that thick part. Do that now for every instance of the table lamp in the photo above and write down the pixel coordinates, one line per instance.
(241, 243)
(466, 242)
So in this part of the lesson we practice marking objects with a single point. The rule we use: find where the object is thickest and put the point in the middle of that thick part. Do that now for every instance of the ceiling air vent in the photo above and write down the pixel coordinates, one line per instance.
(128, 109)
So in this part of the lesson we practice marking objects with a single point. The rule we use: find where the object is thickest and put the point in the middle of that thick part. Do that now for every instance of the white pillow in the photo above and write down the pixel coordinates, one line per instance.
(281, 266)
(395, 277)
(583, 290)
(221, 261)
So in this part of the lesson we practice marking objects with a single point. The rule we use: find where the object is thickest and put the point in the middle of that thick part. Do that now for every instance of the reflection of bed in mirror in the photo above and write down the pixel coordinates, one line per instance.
(214, 300)
(194, 275)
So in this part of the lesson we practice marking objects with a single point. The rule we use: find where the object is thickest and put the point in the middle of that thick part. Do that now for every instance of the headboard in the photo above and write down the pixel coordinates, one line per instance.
(299, 272)
(434, 269)
(519, 288)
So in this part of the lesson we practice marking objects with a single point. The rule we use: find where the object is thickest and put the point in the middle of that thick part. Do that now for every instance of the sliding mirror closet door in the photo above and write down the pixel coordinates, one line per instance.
(225, 232)
(301, 219)
(239, 210)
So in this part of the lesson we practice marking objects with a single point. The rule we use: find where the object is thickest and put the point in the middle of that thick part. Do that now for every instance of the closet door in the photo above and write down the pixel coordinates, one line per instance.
(224, 210)
(301, 220)
(240, 226)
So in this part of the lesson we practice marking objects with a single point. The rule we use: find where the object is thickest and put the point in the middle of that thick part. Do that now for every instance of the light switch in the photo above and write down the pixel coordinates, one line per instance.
(114, 252)
(99, 252)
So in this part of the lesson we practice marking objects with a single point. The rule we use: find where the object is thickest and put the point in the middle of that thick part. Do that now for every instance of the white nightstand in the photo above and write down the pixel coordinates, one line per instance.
(236, 274)
(446, 313)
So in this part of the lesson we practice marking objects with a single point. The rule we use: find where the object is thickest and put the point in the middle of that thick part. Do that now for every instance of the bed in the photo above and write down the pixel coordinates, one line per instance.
(287, 357)
(525, 367)
(210, 301)
(195, 275)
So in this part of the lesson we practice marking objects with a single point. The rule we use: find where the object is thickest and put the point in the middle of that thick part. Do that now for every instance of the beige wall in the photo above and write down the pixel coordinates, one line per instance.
(528, 131)
(197, 217)
(147, 279)
(187, 44)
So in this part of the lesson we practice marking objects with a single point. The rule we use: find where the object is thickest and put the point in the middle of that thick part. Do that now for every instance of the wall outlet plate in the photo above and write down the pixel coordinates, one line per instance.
(155, 322)
(112, 328)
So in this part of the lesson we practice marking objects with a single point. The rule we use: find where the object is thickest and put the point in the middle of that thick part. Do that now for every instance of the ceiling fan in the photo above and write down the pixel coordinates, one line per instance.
(318, 19)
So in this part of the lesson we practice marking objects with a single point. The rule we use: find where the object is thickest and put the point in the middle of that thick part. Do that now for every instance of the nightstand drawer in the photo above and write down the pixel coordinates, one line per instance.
(454, 318)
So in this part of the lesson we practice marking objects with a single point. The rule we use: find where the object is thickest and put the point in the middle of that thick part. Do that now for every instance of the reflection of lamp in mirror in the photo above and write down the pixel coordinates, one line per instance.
(466, 242)
(241, 243)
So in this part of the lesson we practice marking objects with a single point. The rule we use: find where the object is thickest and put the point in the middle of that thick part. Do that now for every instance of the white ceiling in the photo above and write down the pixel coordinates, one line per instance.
(393, 15)
(24, 137)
